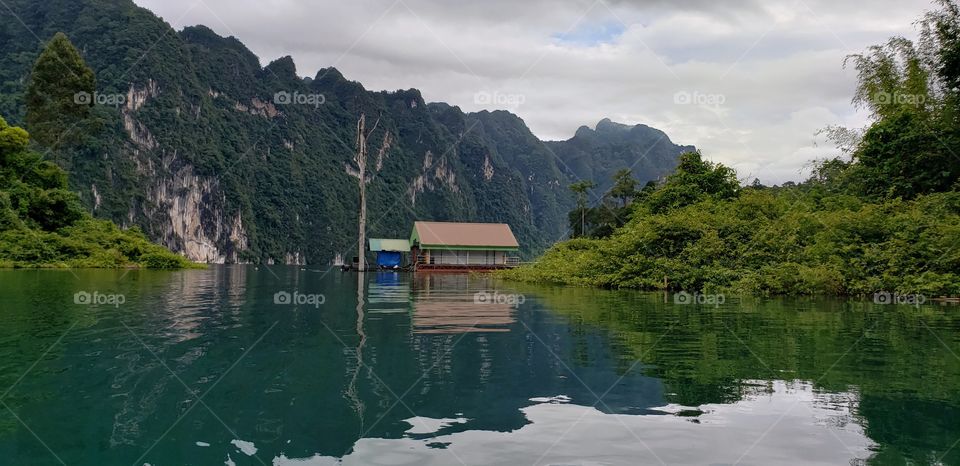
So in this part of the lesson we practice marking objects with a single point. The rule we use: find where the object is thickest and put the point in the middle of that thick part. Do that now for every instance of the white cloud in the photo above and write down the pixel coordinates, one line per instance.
(777, 65)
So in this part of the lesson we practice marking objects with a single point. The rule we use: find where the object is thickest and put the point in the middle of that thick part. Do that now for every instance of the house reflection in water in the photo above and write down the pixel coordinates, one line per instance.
(447, 304)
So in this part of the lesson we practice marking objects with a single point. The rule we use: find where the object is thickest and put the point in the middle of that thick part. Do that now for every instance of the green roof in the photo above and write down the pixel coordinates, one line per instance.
(386, 244)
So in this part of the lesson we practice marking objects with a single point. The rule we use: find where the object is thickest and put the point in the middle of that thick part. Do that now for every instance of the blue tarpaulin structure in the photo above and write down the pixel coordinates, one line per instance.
(389, 259)
(389, 251)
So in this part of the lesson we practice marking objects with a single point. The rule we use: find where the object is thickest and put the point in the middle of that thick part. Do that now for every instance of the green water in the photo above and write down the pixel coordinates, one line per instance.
(203, 367)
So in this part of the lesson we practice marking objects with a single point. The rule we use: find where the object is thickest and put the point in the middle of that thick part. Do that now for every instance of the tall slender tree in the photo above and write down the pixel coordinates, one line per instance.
(581, 188)
(624, 186)
(59, 95)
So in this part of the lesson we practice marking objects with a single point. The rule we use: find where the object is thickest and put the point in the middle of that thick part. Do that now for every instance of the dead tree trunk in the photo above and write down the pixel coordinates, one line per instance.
(362, 165)
(361, 161)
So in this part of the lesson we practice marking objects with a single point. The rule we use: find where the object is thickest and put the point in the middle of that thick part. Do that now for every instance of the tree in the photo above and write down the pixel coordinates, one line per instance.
(901, 156)
(59, 95)
(694, 180)
(581, 188)
(42, 222)
(940, 38)
(33, 189)
(606, 217)
(362, 179)
(912, 91)
(613, 210)
(12, 140)
(893, 78)
(624, 186)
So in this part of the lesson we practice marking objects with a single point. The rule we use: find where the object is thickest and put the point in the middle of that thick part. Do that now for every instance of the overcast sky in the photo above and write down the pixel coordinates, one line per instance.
(747, 82)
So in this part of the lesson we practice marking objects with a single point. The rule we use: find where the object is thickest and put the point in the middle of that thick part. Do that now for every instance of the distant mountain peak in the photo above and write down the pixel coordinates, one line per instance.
(597, 153)
(606, 125)
(583, 132)
(330, 73)
(283, 67)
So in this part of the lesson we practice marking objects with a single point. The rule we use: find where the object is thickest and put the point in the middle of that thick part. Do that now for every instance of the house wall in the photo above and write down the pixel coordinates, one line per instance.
(473, 257)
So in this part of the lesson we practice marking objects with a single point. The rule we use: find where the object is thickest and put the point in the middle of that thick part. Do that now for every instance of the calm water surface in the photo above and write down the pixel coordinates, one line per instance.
(206, 367)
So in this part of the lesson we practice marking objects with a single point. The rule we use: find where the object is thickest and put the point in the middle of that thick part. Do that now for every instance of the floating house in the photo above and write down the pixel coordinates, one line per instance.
(389, 252)
(452, 246)
(448, 246)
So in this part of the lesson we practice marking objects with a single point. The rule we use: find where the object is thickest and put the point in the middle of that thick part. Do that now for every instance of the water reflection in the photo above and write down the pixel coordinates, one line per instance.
(388, 292)
(448, 304)
(352, 392)
(785, 423)
(407, 370)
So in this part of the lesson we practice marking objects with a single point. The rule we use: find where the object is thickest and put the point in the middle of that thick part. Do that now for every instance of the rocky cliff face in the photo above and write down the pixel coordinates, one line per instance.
(227, 161)
(197, 223)
(182, 210)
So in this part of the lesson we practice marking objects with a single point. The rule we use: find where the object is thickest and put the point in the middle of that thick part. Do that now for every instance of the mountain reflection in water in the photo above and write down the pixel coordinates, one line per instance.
(403, 369)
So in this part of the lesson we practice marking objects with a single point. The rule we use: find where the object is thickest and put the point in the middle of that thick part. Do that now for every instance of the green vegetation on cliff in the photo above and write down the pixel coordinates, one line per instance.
(43, 224)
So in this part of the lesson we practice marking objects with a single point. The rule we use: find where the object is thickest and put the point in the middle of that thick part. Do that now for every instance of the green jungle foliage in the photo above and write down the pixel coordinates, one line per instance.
(885, 219)
(43, 224)
(797, 240)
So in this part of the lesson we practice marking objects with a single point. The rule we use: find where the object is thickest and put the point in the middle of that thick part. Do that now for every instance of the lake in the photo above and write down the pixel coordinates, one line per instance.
(244, 365)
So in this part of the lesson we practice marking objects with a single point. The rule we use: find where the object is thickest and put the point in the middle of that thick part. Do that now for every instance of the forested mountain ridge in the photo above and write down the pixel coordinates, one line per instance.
(597, 154)
(224, 160)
